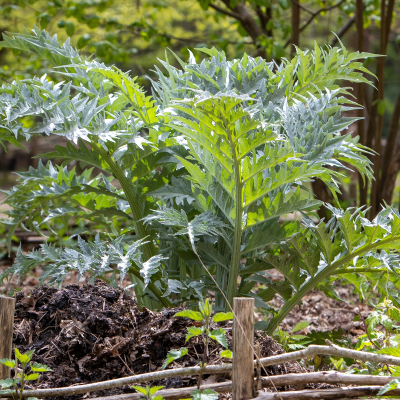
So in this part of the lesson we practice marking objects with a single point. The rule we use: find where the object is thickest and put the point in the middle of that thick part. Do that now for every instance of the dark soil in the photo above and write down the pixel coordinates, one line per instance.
(95, 333)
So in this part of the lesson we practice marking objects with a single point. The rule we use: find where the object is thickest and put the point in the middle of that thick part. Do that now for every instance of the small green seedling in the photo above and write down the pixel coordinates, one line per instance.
(203, 319)
(148, 392)
(20, 375)
(339, 364)
(382, 330)
(291, 342)
(383, 337)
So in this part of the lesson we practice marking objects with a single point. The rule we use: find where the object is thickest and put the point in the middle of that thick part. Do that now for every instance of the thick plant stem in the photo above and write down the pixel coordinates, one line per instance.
(312, 282)
(148, 248)
(221, 277)
(182, 273)
(237, 239)
(153, 288)
(234, 270)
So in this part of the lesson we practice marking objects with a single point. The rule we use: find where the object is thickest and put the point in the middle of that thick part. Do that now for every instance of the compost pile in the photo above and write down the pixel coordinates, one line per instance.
(96, 332)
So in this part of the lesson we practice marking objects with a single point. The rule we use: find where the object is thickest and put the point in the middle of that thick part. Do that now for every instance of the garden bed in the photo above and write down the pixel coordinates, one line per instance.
(95, 333)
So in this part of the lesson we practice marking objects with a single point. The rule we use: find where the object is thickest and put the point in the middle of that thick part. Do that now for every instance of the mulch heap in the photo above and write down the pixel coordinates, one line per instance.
(95, 332)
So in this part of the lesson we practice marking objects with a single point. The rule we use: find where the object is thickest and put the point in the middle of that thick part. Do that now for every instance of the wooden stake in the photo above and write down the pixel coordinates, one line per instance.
(243, 339)
(258, 352)
(7, 307)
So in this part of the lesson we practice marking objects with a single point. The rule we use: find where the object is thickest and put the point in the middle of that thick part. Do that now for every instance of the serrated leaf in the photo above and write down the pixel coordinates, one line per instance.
(32, 377)
(295, 346)
(6, 383)
(7, 362)
(25, 357)
(219, 335)
(140, 389)
(394, 313)
(155, 389)
(194, 315)
(222, 316)
(193, 331)
(206, 394)
(394, 384)
(36, 367)
(149, 268)
(391, 351)
(205, 308)
(174, 355)
(300, 326)
(226, 354)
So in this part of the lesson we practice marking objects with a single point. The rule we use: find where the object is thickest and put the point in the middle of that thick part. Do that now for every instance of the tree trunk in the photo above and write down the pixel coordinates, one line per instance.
(376, 119)
(391, 162)
(249, 24)
(264, 18)
(295, 27)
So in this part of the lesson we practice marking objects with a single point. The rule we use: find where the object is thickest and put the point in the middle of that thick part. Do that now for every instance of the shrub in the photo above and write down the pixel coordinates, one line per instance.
(195, 178)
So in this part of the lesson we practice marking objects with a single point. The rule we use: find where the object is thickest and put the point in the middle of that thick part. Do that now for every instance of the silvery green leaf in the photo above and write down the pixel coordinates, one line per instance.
(173, 286)
(150, 267)
(174, 355)
(394, 384)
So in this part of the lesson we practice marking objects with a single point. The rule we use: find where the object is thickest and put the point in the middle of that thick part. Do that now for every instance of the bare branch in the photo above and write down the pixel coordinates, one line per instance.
(295, 28)
(339, 393)
(330, 350)
(331, 377)
(343, 30)
(316, 13)
(242, 14)
(224, 11)
(130, 380)
(263, 18)
(172, 394)
(303, 7)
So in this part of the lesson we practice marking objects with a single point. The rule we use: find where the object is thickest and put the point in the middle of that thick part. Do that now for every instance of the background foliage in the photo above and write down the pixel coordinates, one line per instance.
(132, 34)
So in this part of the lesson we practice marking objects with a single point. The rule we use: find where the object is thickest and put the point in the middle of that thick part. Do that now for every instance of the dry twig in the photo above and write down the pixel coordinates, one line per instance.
(331, 350)
(337, 393)
(331, 377)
